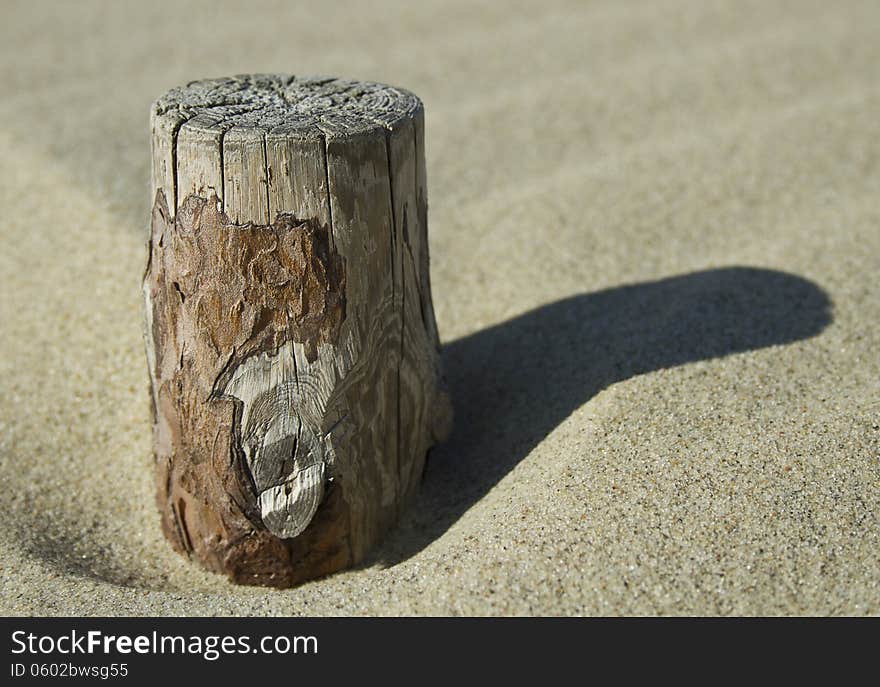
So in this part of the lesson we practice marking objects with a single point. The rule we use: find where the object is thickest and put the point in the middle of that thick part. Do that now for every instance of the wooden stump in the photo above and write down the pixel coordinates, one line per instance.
(293, 353)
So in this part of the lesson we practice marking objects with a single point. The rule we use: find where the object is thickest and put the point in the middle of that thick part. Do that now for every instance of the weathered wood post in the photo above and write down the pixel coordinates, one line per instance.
(291, 341)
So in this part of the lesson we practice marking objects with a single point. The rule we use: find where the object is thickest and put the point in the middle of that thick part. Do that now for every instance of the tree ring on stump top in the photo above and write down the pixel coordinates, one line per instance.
(297, 107)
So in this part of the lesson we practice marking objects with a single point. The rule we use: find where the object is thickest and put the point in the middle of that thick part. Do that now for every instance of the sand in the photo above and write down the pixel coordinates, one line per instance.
(655, 235)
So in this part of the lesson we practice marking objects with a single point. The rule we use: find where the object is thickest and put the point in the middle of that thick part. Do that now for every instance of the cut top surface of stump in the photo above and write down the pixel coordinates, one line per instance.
(293, 106)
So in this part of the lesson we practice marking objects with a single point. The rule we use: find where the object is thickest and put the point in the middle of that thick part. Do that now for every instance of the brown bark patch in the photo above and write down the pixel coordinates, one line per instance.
(219, 293)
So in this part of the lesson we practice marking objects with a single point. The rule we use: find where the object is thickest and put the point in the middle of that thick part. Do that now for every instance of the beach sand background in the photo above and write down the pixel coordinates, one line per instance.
(655, 236)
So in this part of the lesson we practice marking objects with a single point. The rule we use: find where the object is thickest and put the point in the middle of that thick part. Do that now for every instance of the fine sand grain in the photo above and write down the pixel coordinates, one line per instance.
(655, 233)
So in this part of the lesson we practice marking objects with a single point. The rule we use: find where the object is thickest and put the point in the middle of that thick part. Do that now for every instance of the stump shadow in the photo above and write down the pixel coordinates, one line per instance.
(516, 381)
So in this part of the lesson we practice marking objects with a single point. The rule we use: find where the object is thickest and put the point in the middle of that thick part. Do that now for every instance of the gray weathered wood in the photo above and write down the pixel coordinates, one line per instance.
(292, 347)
